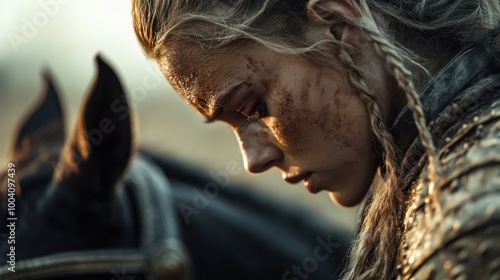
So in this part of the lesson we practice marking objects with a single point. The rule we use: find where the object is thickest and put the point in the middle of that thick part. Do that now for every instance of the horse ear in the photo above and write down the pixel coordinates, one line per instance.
(39, 138)
(98, 152)
(44, 121)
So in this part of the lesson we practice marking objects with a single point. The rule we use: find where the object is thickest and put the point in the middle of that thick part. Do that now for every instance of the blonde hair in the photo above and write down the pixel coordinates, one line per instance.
(447, 25)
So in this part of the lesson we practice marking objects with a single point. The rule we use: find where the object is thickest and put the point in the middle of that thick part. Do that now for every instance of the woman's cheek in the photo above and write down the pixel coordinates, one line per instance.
(287, 132)
(286, 120)
(335, 117)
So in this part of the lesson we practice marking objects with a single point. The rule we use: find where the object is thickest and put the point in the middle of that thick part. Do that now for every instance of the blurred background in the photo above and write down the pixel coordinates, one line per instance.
(64, 37)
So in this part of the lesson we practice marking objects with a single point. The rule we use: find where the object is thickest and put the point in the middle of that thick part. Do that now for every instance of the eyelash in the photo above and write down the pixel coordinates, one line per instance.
(258, 111)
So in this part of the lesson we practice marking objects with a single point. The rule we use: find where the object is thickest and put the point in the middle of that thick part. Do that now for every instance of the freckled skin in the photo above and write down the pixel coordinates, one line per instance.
(305, 93)
(315, 121)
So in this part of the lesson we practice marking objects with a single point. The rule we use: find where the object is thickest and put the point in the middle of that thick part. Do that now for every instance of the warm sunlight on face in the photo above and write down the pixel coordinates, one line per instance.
(286, 112)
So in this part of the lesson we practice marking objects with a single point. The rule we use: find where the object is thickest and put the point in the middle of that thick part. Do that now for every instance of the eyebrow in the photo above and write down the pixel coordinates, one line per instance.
(221, 101)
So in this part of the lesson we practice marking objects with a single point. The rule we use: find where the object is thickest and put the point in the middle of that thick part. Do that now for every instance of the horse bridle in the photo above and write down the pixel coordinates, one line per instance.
(161, 254)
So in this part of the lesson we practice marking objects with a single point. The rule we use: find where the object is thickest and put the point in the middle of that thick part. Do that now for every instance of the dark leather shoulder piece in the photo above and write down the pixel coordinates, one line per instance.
(461, 241)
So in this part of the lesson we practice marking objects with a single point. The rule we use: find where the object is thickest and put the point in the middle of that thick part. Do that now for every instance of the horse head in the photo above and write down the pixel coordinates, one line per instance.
(76, 199)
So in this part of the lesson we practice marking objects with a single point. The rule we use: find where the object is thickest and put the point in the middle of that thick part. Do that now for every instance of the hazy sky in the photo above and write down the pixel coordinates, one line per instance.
(66, 36)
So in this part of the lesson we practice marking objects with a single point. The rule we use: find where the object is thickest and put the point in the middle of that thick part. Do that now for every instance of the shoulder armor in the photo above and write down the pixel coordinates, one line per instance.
(463, 239)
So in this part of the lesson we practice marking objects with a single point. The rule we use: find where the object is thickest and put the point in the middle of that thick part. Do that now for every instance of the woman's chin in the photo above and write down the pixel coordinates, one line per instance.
(344, 200)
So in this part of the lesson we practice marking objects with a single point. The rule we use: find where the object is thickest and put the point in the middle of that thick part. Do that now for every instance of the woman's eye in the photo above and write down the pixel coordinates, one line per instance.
(258, 111)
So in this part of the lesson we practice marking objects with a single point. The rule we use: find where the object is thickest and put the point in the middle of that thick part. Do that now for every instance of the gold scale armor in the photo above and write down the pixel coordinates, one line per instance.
(462, 239)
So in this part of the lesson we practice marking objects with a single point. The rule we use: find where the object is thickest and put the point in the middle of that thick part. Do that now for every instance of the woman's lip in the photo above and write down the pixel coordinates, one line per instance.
(298, 178)
(311, 184)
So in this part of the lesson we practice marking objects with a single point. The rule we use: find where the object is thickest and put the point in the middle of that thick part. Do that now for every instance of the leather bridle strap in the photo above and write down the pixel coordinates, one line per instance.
(76, 264)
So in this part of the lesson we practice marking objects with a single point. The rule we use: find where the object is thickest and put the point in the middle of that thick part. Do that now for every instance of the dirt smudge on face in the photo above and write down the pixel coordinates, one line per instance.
(344, 126)
(333, 121)
(322, 123)
(253, 65)
(195, 72)
(305, 93)
(286, 125)
(183, 71)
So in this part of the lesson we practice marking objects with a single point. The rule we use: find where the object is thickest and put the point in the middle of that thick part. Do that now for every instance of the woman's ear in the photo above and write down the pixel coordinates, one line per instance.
(334, 18)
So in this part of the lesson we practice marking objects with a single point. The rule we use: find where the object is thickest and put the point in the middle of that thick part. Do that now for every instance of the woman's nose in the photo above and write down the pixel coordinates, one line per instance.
(260, 159)
(259, 155)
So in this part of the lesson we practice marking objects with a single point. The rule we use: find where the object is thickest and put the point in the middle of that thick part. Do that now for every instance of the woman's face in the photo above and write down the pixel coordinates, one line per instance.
(286, 112)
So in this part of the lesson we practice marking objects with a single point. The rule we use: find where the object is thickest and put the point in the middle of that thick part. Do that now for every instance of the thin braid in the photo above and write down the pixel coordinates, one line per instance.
(395, 64)
(374, 253)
